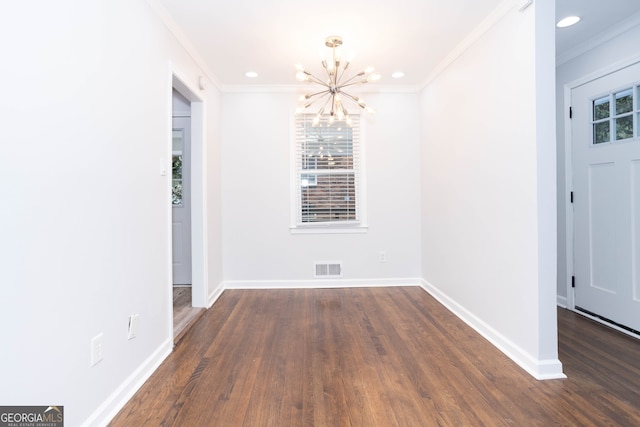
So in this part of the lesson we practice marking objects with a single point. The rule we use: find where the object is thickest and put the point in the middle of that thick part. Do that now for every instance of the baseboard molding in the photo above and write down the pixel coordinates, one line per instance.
(561, 301)
(213, 296)
(539, 369)
(110, 408)
(320, 284)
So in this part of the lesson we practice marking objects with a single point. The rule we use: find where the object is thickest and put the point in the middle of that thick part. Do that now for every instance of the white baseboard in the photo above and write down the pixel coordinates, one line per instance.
(539, 369)
(110, 408)
(320, 284)
(213, 296)
(561, 301)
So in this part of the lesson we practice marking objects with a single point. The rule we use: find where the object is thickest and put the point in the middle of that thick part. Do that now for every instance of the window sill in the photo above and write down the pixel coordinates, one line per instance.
(328, 229)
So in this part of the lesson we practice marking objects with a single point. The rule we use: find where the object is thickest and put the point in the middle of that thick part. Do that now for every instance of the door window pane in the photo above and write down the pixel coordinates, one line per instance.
(624, 101)
(601, 108)
(601, 132)
(176, 168)
(624, 127)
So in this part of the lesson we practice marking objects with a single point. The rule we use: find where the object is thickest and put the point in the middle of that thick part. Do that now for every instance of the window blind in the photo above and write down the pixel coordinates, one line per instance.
(327, 171)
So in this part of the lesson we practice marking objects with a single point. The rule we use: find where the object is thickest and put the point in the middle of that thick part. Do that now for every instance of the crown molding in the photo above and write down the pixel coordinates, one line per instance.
(599, 39)
(487, 24)
(183, 41)
(293, 88)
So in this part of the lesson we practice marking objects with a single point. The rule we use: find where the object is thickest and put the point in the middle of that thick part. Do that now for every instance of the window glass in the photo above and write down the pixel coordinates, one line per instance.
(327, 172)
(601, 108)
(624, 127)
(601, 132)
(176, 168)
(624, 101)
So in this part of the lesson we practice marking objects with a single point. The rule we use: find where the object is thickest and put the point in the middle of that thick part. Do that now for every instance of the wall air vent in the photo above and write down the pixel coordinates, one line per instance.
(327, 269)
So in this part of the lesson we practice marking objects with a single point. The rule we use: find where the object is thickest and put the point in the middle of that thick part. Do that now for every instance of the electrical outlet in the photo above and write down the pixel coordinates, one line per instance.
(133, 326)
(382, 256)
(96, 349)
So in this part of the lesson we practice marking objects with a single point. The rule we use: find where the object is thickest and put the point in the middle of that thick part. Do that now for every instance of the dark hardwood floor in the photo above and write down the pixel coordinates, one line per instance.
(376, 357)
(184, 315)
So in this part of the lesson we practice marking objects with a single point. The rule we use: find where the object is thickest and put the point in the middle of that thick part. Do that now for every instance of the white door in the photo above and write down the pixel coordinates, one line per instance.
(606, 195)
(181, 200)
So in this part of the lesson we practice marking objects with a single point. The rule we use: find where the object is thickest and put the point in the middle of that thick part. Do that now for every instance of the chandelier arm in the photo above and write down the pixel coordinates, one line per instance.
(314, 79)
(344, 71)
(351, 79)
(313, 101)
(322, 96)
(324, 105)
(317, 93)
(333, 103)
(353, 98)
(354, 83)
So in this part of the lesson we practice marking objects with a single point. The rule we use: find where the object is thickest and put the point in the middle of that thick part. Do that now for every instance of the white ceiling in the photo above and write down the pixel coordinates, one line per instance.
(598, 17)
(414, 36)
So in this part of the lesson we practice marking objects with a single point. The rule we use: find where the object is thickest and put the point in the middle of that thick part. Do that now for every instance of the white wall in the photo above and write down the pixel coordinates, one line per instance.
(85, 213)
(614, 50)
(488, 209)
(260, 251)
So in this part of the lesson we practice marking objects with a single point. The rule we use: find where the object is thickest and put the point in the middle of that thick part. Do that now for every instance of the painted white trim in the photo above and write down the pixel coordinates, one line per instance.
(539, 369)
(347, 227)
(121, 396)
(167, 175)
(599, 39)
(199, 248)
(213, 296)
(561, 301)
(298, 88)
(487, 24)
(328, 229)
(568, 161)
(321, 283)
(183, 40)
(568, 209)
(601, 72)
(607, 324)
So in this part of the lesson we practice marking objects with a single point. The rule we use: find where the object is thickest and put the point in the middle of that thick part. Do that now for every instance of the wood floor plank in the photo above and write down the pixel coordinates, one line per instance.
(369, 357)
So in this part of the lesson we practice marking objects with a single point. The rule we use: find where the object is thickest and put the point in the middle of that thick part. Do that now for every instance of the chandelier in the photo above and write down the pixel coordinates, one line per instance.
(332, 94)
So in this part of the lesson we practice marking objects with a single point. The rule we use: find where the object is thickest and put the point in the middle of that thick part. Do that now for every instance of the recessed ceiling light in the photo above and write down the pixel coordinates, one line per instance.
(568, 21)
(397, 75)
(251, 74)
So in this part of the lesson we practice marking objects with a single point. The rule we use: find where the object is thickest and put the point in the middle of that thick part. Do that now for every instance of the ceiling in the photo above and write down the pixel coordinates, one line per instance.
(598, 16)
(413, 36)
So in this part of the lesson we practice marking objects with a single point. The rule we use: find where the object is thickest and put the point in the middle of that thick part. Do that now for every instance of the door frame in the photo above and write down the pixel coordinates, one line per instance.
(199, 244)
(568, 156)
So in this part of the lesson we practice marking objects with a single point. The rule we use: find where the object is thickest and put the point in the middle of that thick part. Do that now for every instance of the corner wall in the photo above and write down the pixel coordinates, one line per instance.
(488, 209)
(85, 230)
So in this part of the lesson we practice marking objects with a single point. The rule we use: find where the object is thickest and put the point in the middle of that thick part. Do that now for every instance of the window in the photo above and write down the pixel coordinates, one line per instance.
(326, 173)
(176, 168)
(614, 117)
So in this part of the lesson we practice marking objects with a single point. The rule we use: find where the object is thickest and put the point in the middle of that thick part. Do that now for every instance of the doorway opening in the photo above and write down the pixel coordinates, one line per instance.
(188, 242)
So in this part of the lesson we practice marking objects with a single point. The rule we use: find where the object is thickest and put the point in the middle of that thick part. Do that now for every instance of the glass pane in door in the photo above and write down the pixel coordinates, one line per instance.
(176, 168)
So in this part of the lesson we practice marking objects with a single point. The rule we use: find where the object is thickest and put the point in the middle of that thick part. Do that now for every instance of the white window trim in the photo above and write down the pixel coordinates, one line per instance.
(336, 227)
